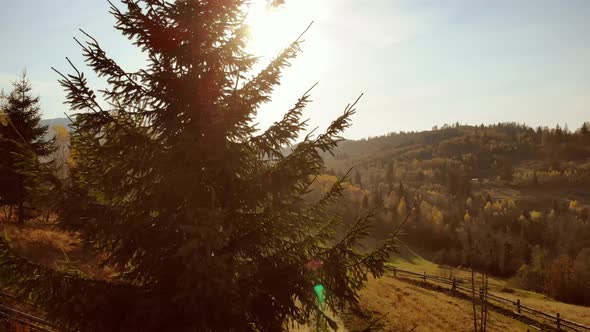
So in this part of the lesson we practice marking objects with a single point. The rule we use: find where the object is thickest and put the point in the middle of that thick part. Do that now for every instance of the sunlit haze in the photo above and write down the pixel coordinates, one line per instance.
(419, 63)
(295, 165)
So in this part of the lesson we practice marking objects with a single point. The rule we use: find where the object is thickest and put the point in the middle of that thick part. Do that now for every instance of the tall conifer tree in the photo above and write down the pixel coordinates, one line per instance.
(21, 138)
(202, 217)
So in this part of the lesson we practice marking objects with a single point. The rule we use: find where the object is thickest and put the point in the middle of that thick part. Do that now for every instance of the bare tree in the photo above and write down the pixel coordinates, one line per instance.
(480, 324)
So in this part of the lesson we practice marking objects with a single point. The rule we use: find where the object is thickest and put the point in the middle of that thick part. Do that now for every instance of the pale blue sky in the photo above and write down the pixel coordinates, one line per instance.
(420, 63)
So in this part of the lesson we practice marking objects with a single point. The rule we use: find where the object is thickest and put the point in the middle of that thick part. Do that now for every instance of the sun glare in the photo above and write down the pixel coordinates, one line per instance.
(273, 28)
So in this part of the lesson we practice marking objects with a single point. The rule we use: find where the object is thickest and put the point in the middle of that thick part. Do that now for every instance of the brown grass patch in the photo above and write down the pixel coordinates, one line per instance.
(47, 246)
(411, 307)
(40, 244)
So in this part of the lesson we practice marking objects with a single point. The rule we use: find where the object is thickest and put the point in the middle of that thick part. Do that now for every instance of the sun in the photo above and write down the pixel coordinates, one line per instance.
(271, 29)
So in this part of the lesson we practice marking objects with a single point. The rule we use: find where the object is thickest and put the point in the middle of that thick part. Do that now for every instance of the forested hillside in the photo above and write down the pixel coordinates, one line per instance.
(506, 199)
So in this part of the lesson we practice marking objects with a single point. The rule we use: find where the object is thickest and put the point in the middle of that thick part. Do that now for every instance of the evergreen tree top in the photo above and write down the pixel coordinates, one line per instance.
(202, 218)
(22, 116)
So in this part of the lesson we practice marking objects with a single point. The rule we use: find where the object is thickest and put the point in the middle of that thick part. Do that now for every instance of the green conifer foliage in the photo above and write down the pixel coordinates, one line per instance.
(21, 144)
(202, 216)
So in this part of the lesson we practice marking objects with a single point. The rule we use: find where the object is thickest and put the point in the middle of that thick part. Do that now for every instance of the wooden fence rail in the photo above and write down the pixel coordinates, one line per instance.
(556, 320)
(31, 323)
(15, 320)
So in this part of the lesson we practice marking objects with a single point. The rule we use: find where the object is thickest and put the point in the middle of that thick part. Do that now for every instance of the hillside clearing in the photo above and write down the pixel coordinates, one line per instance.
(411, 307)
(409, 260)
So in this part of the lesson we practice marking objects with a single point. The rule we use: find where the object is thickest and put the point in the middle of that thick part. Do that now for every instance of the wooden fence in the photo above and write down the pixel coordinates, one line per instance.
(14, 320)
(17, 321)
(456, 284)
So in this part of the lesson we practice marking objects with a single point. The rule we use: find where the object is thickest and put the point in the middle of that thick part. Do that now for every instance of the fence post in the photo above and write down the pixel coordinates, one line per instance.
(558, 321)
(424, 277)
(518, 306)
(454, 287)
(395, 271)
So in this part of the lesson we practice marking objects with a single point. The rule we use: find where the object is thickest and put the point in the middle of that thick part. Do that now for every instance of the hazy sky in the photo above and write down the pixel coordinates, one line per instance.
(419, 63)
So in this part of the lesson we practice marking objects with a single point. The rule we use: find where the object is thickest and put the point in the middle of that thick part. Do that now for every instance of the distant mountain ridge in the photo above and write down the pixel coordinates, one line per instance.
(56, 121)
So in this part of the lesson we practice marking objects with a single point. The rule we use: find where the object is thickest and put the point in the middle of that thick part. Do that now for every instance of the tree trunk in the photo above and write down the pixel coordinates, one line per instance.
(485, 303)
(21, 212)
(473, 300)
(21, 201)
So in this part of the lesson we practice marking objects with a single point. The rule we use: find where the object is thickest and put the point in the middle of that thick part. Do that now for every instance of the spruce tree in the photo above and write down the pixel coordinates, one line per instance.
(22, 142)
(172, 186)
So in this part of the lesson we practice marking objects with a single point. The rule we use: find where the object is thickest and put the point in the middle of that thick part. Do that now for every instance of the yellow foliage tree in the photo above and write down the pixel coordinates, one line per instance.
(488, 207)
(402, 208)
(536, 215)
(437, 216)
(62, 151)
(467, 217)
(392, 200)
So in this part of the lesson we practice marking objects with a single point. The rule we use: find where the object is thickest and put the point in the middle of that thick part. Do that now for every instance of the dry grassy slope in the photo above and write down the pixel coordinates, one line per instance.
(408, 260)
(408, 306)
(50, 247)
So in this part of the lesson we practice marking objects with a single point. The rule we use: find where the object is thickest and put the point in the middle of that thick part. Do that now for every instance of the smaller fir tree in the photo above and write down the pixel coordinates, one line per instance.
(22, 142)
